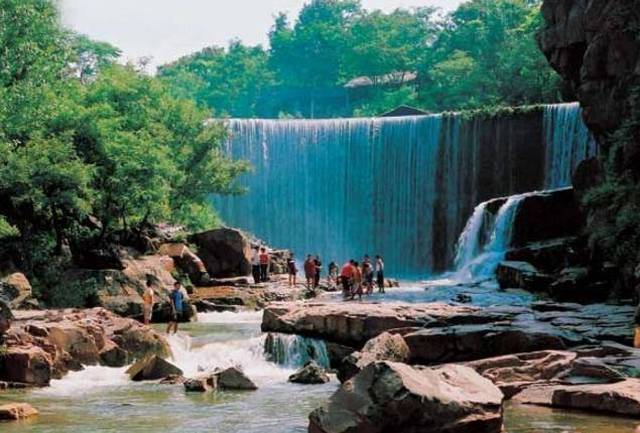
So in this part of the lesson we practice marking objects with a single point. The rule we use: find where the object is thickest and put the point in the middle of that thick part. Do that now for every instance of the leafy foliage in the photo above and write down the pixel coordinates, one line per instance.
(484, 53)
(89, 147)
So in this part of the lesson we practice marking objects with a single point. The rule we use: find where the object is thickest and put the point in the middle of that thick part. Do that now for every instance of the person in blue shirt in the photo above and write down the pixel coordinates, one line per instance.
(176, 300)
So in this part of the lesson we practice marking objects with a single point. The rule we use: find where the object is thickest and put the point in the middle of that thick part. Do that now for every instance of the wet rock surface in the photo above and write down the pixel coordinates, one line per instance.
(384, 347)
(310, 374)
(42, 345)
(16, 411)
(439, 332)
(388, 396)
(152, 368)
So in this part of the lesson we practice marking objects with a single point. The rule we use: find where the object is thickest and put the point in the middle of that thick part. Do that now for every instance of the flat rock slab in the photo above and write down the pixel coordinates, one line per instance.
(622, 398)
(353, 324)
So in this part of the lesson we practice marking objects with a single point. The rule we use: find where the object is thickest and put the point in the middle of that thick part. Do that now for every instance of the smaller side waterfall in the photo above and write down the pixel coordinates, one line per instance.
(295, 351)
(479, 255)
(568, 142)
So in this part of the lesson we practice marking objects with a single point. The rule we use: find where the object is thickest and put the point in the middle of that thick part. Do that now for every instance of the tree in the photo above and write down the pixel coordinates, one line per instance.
(229, 81)
(311, 53)
(91, 56)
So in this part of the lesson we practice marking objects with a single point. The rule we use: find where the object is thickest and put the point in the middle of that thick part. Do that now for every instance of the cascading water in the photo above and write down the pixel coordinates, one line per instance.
(294, 350)
(478, 261)
(568, 141)
(399, 187)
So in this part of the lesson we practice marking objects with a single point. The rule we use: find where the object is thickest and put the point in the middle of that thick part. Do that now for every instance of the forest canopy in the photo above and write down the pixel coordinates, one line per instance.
(89, 147)
(338, 59)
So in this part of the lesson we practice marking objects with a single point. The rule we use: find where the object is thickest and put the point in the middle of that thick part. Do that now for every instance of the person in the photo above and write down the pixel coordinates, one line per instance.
(316, 280)
(357, 281)
(147, 303)
(265, 259)
(310, 271)
(346, 278)
(176, 300)
(255, 265)
(367, 274)
(380, 273)
(333, 275)
(292, 270)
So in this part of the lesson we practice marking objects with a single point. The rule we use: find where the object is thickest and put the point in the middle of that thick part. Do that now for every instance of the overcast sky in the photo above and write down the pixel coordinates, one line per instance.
(168, 29)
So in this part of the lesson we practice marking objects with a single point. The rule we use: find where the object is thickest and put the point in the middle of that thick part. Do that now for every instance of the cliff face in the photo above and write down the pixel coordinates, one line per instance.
(595, 46)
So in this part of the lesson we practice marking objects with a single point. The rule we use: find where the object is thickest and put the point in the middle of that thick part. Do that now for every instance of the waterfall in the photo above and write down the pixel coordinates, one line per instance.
(295, 351)
(480, 256)
(568, 142)
(399, 187)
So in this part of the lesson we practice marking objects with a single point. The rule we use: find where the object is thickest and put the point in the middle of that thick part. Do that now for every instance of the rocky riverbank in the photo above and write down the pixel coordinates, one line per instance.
(556, 355)
(45, 345)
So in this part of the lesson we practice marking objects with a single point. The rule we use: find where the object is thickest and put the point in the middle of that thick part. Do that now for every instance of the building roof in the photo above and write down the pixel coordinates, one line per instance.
(404, 110)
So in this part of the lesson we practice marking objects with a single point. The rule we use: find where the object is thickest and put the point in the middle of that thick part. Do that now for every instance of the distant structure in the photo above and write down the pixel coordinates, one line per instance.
(404, 110)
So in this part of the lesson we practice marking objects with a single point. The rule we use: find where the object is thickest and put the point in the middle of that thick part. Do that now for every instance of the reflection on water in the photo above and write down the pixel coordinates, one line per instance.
(103, 400)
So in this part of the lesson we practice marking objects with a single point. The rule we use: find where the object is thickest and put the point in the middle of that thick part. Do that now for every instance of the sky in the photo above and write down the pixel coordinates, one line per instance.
(168, 29)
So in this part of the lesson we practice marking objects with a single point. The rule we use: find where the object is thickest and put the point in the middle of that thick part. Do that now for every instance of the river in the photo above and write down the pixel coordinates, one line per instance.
(100, 399)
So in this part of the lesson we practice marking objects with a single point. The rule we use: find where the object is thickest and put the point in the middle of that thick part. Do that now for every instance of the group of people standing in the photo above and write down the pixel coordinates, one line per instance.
(356, 279)
(359, 279)
(260, 265)
(176, 299)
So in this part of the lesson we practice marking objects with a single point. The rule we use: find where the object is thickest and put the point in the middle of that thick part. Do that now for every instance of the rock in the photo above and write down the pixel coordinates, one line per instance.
(575, 285)
(337, 352)
(113, 355)
(106, 256)
(622, 398)
(533, 224)
(355, 324)
(310, 374)
(513, 373)
(15, 289)
(225, 252)
(384, 347)
(588, 174)
(466, 343)
(388, 396)
(152, 368)
(234, 379)
(547, 256)
(173, 379)
(6, 317)
(201, 384)
(521, 275)
(29, 365)
(16, 411)
(187, 261)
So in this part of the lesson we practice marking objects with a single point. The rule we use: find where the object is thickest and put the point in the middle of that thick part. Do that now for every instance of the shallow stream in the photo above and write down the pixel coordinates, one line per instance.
(101, 399)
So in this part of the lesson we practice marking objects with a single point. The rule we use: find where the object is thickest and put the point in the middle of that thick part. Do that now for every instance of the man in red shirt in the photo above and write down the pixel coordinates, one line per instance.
(346, 275)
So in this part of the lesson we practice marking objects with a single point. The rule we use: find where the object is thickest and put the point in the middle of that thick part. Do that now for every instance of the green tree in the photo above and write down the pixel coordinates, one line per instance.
(229, 81)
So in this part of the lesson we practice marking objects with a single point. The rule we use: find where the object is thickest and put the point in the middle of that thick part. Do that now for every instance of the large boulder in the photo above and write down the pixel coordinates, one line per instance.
(576, 285)
(233, 378)
(28, 365)
(384, 347)
(388, 396)
(15, 289)
(203, 383)
(152, 368)
(621, 398)
(225, 252)
(5, 318)
(467, 343)
(310, 374)
(511, 274)
(16, 411)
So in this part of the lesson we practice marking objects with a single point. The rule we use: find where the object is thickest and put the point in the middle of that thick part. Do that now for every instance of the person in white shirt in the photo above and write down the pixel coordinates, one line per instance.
(380, 273)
